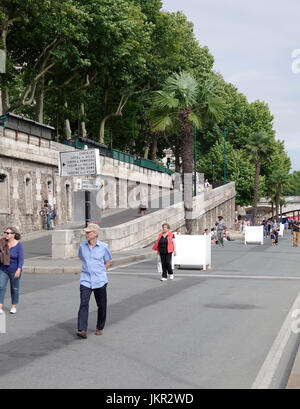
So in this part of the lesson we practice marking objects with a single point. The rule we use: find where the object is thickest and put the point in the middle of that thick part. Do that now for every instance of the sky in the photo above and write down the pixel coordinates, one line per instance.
(256, 46)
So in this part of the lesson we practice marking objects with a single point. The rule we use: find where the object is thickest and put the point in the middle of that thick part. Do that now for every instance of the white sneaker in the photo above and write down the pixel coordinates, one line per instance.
(171, 277)
(163, 279)
(13, 310)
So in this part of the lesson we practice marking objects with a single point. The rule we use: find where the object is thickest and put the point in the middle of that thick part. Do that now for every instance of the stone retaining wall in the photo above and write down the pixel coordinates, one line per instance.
(143, 231)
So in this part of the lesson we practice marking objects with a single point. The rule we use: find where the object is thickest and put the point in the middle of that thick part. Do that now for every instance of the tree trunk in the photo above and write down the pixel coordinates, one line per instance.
(272, 209)
(82, 132)
(154, 146)
(146, 152)
(5, 100)
(67, 126)
(187, 141)
(256, 186)
(40, 94)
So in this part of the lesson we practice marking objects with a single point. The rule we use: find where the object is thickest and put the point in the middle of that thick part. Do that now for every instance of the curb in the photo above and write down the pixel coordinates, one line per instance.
(77, 269)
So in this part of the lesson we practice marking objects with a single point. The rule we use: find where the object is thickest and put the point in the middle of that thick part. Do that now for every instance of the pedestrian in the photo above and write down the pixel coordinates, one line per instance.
(206, 184)
(264, 224)
(52, 217)
(165, 246)
(11, 268)
(273, 236)
(221, 225)
(286, 225)
(143, 205)
(47, 215)
(213, 236)
(95, 257)
(296, 230)
(206, 232)
(227, 235)
(275, 229)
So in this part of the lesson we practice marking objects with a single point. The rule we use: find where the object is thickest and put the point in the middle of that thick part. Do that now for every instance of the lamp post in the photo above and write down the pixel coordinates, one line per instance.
(213, 173)
(224, 156)
(195, 160)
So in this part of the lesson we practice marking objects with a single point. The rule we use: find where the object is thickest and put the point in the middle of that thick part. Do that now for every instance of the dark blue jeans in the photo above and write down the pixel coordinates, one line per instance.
(14, 287)
(83, 313)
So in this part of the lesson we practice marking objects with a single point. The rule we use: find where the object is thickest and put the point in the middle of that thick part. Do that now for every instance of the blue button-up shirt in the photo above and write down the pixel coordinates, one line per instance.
(93, 273)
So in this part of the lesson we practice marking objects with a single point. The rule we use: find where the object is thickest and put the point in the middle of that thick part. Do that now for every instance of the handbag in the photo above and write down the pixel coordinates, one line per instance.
(159, 266)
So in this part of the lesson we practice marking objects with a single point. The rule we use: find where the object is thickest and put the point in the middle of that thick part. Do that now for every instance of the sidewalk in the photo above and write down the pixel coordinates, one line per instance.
(49, 265)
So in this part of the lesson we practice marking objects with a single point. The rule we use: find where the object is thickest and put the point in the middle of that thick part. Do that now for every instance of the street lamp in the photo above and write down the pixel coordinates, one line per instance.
(195, 160)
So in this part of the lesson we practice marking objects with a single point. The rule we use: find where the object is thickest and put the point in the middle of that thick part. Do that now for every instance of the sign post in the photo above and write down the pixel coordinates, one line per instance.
(82, 163)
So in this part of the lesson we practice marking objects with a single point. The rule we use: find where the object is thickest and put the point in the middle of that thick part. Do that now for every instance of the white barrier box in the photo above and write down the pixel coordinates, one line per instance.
(280, 233)
(254, 234)
(2, 323)
(192, 250)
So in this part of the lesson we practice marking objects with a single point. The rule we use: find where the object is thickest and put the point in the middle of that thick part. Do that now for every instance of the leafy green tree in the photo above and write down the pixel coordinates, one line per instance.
(175, 106)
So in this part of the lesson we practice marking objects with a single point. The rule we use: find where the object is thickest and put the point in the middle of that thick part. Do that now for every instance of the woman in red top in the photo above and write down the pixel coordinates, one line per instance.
(165, 246)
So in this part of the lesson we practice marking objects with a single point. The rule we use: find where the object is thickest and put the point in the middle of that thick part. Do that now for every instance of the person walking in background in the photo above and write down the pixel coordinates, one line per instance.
(213, 236)
(275, 229)
(264, 223)
(165, 247)
(11, 268)
(296, 230)
(221, 225)
(95, 257)
(143, 205)
(286, 225)
(52, 217)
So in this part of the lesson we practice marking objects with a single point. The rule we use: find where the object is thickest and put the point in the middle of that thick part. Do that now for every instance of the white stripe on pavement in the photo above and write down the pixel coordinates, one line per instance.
(200, 275)
(268, 369)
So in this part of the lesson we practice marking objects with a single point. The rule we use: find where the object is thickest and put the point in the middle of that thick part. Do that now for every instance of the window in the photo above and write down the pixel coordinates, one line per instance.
(4, 193)
(28, 195)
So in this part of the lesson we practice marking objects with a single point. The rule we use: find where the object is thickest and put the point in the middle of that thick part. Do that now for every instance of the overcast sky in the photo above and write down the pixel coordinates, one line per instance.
(252, 43)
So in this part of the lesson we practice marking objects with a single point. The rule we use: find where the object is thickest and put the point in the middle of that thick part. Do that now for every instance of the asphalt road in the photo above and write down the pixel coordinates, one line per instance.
(205, 329)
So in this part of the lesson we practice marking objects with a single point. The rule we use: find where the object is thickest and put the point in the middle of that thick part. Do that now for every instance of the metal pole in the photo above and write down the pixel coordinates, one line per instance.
(224, 156)
(87, 196)
(195, 160)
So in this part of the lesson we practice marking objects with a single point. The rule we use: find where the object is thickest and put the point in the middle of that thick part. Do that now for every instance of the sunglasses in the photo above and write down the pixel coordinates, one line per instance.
(9, 232)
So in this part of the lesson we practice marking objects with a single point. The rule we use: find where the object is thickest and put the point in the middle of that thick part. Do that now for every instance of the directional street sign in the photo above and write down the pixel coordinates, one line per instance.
(88, 184)
(79, 163)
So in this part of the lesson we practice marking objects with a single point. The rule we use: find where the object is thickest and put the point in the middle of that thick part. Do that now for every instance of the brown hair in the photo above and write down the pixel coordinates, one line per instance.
(16, 233)
(166, 224)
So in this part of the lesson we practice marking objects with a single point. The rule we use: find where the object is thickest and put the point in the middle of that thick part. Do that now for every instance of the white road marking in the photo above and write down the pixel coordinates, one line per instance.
(268, 369)
(200, 275)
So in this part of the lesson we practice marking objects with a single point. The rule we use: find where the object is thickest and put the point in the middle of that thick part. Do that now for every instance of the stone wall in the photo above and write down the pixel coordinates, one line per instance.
(143, 231)
(29, 174)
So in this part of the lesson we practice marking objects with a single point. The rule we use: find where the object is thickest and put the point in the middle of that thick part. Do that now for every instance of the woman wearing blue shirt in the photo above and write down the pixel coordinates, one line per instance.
(12, 272)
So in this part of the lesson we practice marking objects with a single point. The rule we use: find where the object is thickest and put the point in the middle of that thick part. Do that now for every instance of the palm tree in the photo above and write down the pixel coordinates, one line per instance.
(259, 146)
(279, 177)
(175, 107)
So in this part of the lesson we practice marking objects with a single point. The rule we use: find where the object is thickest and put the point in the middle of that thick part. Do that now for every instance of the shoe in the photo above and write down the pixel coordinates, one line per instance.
(163, 279)
(171, 277)
(81, 334)
(13, 310)
(98, 332)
